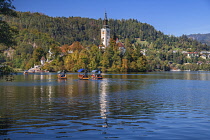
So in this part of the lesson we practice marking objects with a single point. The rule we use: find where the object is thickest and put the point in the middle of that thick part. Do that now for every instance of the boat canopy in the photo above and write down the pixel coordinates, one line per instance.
(82, 70)
(97, 71)
(94, 71)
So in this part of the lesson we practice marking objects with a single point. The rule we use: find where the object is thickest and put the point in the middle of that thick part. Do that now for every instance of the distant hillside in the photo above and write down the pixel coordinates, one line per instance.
(39, 33)
(67, 30)
(203, 38)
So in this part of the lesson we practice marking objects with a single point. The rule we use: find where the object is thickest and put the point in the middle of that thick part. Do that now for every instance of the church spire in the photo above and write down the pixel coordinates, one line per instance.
(105, 21)
(105, 32)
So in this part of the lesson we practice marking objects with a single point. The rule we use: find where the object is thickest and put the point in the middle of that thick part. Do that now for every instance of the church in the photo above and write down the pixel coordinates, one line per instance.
(105, 36)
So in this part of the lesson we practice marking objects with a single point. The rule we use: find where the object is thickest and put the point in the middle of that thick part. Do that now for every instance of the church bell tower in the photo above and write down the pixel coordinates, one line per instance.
(105, 32)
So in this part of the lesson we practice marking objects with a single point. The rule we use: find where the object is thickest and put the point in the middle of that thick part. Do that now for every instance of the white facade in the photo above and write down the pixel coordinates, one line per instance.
(105, 36)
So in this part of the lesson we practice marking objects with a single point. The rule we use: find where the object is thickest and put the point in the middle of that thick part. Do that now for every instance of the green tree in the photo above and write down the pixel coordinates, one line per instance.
(95, 57)
(6, 32)
(142, 63)
(37, 55)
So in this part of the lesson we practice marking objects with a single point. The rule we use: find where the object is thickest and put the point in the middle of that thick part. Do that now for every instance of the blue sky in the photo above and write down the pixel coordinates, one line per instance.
(172, 17)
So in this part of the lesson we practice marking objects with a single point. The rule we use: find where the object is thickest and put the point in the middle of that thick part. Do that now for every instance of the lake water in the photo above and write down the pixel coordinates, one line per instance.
(159, 105)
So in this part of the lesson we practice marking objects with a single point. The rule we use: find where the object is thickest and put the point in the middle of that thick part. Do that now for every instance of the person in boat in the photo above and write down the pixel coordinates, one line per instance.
(63, 73)
(86, 73)
(99, 73)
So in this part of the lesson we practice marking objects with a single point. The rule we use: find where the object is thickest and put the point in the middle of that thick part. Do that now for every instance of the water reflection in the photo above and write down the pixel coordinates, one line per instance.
(185, 75)
(128, 106)
(104, 102)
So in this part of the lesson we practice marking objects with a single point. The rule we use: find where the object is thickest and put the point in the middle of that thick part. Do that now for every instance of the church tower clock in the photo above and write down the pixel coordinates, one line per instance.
(105, 32)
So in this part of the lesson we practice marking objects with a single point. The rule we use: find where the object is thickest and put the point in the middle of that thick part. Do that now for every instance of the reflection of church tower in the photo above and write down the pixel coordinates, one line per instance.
(105, 32)
(104, 102)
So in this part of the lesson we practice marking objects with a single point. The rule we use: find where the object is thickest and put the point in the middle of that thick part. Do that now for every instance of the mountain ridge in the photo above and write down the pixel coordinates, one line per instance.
(203, 38)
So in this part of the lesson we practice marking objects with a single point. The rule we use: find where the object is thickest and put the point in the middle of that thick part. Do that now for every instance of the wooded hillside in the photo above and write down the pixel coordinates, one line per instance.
(39, 33)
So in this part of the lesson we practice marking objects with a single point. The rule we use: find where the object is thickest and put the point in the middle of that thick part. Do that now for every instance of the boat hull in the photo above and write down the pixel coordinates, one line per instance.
(25, 73)
(82, 77)
(96, 77)
(62, 77)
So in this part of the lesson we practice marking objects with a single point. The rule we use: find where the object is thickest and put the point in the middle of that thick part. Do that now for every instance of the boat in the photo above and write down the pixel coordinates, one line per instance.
(25, 72)
(96, 74)
(62, 75)
(83, 74)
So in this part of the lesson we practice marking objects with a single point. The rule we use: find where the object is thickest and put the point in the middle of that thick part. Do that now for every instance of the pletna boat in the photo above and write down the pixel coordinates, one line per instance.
(62, 75)
(96, 74)
(25, 72)
(83, 74)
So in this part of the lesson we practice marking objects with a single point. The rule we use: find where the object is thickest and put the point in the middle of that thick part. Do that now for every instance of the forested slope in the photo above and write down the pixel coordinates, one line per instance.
(39, 33)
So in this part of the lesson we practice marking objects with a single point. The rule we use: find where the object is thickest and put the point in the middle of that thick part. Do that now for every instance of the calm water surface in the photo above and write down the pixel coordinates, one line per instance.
(161, 105)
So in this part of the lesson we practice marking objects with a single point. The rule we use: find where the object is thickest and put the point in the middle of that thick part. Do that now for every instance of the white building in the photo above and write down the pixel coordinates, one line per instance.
(105, 32)
(43, 60)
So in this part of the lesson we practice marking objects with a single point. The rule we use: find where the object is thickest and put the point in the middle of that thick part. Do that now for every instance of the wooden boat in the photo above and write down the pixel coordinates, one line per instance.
(83, 75)
(25, 72)
(96, 75)
(62, 75)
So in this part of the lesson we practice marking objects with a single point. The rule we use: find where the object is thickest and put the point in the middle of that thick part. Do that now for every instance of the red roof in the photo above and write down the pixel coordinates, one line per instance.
(119, 44)
(75, 46)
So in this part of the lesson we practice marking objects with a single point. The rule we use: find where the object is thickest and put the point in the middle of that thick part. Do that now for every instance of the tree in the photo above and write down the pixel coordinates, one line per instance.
(6, 8)
(7, 71)
(6, 32)
(83, 59)
(124, 67)
(141, 64)
(37, 54)
(95, 57)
